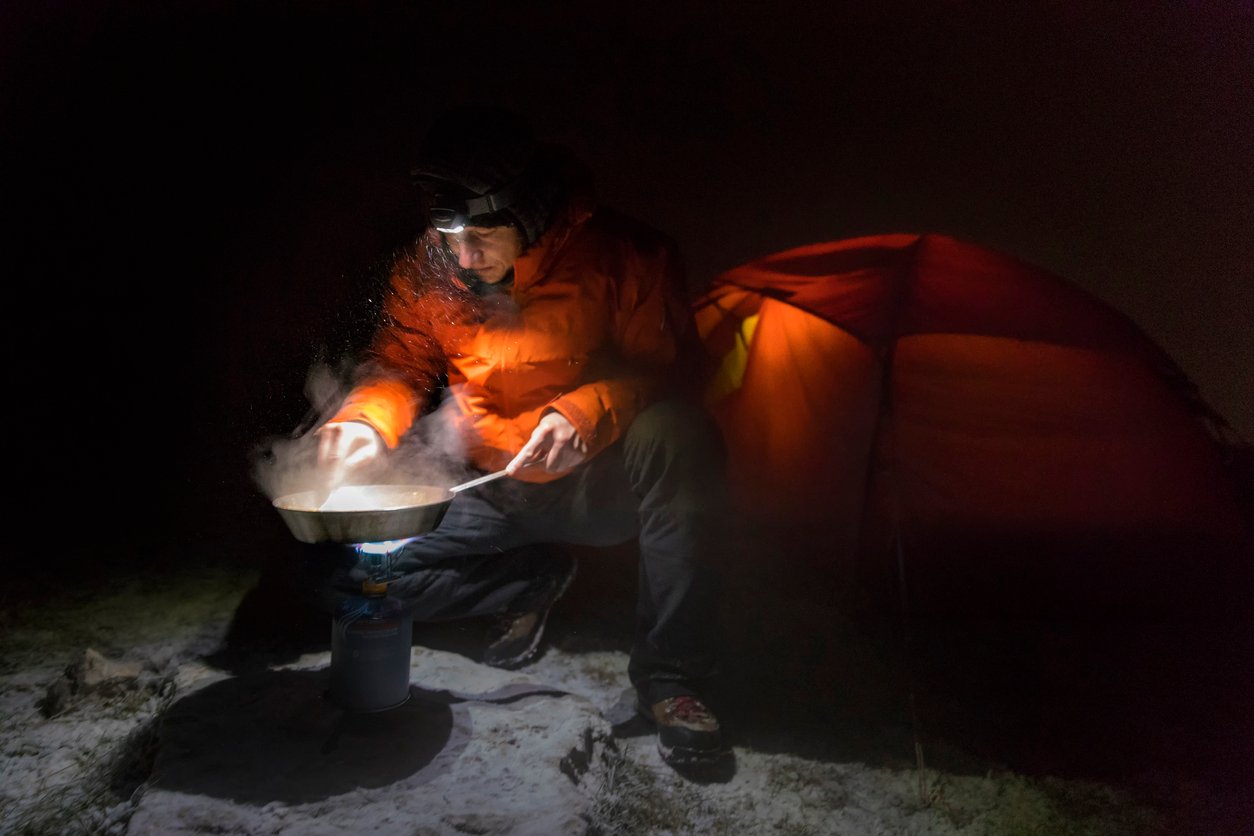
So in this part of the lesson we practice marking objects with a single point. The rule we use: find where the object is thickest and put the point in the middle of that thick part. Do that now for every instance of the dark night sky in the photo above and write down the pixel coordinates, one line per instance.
(205, 191)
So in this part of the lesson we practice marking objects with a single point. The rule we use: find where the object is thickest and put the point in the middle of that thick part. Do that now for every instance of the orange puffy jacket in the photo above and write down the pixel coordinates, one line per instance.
(596, 323)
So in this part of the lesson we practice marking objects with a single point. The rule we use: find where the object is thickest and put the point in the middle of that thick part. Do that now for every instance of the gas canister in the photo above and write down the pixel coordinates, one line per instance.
(371, 647)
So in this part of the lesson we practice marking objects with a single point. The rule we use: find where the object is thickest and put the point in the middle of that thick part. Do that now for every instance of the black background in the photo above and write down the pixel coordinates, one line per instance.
(203, 194)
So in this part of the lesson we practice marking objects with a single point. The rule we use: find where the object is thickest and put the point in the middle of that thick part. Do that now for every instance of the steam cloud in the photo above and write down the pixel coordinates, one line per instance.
(431, 453)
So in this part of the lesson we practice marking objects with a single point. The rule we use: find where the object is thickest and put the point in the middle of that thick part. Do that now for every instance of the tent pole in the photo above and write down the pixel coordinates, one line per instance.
(926, 796)
(907, 640)
(889, 408)
(888, 446)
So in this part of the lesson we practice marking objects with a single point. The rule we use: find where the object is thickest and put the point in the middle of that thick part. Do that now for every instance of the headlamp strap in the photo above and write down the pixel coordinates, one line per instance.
(490, 203)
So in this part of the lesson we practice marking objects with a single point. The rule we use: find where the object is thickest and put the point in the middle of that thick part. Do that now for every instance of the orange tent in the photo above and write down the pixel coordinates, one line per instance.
(915, 406)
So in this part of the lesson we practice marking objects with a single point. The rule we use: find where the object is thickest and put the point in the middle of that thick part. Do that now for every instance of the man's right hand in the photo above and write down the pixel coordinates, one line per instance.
(348, 444)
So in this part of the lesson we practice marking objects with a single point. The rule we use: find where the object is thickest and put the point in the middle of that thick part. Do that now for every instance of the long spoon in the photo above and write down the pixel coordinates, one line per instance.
(476, 482)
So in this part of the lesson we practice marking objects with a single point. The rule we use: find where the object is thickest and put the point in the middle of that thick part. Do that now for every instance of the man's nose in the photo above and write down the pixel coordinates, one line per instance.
(468, 255)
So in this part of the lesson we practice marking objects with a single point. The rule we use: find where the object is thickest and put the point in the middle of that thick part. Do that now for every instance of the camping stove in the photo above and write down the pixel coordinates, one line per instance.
(372, 638)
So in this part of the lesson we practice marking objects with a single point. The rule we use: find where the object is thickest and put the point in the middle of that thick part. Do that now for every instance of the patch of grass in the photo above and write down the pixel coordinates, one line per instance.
(99, 797)
(629, 800)
(1044, 808)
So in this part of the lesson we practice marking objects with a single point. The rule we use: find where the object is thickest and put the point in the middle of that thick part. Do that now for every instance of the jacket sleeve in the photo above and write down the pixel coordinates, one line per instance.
(652, 340)
(404, 365)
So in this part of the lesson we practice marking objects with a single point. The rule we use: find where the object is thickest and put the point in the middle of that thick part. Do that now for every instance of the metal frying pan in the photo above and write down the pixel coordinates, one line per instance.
(369, 513)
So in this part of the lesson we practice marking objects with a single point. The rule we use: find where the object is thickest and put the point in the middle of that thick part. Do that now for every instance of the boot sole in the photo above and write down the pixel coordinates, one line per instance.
(683, 755)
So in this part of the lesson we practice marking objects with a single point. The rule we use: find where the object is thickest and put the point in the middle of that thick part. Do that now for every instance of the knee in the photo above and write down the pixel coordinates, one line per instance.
(677, 426)
(674, 440)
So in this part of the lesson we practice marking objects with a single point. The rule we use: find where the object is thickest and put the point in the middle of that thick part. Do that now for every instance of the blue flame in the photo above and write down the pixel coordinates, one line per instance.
(382, 546)
(376, 557)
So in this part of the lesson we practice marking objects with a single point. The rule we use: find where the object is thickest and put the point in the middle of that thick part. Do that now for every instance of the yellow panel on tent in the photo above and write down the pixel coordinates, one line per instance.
(791, 441)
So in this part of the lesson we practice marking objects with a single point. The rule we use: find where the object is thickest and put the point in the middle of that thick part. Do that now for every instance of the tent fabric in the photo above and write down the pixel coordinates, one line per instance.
(922, 392)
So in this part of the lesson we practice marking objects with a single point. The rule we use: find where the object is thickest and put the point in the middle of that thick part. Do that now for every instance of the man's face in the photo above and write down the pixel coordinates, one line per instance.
(490, 251)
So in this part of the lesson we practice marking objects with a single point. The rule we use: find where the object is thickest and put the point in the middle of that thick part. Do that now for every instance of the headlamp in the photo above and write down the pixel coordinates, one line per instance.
(451, 214)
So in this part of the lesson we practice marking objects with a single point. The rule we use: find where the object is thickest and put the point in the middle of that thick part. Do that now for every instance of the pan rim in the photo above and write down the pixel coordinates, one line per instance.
(432, 495)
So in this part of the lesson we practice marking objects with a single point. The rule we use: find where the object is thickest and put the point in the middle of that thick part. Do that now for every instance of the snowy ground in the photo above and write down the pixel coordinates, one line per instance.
(1061, 734)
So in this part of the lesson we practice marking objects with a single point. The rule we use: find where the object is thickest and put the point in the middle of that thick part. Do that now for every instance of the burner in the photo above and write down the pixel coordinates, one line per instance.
(372, 638)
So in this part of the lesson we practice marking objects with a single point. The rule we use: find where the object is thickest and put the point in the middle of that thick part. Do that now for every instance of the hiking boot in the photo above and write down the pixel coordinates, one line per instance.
(518, 633)
(687, 731)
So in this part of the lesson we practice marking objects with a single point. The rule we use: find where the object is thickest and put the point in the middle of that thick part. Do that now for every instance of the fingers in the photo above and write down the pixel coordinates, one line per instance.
(523, 458)
(533, 451)
(567, 453)
(363, 452)
(328, 443)
(537, 449)
(348, 444)
(555, 443)
(559, 456)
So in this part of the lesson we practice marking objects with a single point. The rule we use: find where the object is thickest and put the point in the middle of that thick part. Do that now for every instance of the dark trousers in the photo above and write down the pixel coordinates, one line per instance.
(662, 483)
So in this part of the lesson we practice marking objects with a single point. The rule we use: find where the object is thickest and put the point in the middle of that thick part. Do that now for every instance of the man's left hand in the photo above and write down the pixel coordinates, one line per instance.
(555, 443)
